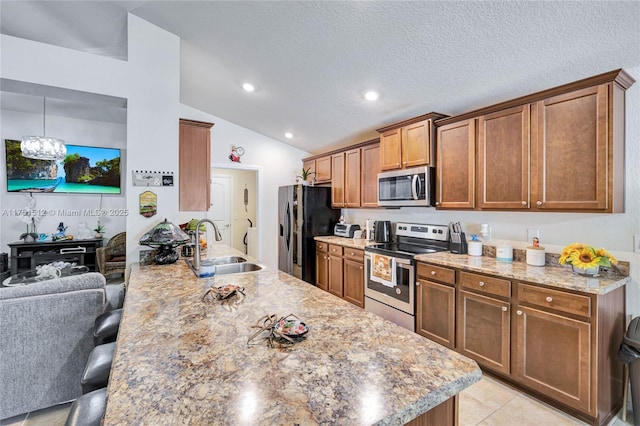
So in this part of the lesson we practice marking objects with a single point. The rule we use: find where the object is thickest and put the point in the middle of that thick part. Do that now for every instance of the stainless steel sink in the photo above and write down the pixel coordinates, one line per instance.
(223, 266)
(237, 268)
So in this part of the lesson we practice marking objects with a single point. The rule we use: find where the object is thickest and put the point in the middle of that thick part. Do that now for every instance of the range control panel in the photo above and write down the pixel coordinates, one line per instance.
(424, 231)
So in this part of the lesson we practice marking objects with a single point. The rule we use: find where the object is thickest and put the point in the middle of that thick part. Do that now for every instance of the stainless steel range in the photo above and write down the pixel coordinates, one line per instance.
(390, 270)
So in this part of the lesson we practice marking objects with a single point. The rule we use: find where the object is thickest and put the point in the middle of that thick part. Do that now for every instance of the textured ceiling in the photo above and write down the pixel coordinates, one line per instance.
(311, 62)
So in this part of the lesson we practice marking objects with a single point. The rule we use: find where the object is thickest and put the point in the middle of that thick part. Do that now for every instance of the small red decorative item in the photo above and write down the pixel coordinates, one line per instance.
(236, 153)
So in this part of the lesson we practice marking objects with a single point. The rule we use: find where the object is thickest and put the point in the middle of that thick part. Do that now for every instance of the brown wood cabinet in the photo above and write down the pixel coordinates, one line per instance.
(352, 178)
(370, 166)
(194, 165)
(321, 168)
(338, 199)
(557, 150)
(503, 159)
(335, 270)
(408, 143)
(353, 276)
(558, 345)
(322, 265)
(435, 304)
(455, 181)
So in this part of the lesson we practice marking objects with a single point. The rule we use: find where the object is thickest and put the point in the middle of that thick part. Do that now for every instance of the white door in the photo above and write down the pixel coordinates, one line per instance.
(221, 205)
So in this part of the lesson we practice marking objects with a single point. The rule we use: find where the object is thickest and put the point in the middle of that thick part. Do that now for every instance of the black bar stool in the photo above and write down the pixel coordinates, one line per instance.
(96, 372)
(106, 327)
(88, 410)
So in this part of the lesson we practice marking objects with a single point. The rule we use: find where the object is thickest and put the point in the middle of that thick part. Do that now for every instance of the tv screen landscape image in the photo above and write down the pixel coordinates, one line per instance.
(84, 170)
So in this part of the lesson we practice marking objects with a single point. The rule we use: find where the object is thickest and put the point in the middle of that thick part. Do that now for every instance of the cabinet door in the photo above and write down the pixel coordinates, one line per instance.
(416, 144)
(435, 312)
(337, 180)
(455, 183)
(310, 164)
(335, 275)
(323, 169)
(354, 282)
(322, 270)
(503, 159)
(352, 178)
(571, 169)
(391, 149)
(369, 175)
(553, 356)
(194, 161)
(484, 330)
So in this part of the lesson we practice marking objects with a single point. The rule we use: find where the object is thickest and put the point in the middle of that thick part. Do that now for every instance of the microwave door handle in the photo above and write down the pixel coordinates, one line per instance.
(415, 186)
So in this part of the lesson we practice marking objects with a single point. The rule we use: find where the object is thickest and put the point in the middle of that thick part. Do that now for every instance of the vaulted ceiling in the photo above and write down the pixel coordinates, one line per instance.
(312, 61)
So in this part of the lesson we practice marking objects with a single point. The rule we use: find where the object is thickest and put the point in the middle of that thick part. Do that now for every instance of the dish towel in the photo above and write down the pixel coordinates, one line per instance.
(383, 270)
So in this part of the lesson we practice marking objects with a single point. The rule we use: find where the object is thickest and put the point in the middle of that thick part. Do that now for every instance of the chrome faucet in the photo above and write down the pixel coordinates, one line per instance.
(196, 251)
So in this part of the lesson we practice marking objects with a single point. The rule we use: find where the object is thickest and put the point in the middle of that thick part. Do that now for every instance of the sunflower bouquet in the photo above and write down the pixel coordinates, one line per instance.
(584, 256)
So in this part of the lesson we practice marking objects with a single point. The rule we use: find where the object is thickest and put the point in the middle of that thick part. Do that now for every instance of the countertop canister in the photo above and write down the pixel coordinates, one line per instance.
(536, 256)
(504, 253)
(474, 248)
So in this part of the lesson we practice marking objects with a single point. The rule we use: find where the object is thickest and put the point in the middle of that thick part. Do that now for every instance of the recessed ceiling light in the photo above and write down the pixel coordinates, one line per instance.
(288, 135)
(371, 95)
(248, 87)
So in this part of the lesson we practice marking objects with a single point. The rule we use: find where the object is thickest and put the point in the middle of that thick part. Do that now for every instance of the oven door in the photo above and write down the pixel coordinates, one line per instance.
(409, 187)
(401, 296)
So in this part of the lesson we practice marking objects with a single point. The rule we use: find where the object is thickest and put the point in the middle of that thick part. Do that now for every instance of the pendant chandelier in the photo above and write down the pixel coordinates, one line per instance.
(43, 147)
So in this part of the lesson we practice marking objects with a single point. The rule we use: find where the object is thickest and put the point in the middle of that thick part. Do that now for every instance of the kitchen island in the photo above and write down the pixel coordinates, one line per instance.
(183, 360)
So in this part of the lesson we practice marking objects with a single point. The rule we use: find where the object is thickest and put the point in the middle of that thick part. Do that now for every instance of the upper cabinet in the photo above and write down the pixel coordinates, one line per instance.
(370, 166)
(194, 165)
(408, 143)
(455, 180)
(320, 168)
(557, 150)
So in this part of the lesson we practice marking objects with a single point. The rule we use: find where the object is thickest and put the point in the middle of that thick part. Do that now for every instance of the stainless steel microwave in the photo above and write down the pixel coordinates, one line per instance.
(406, 187)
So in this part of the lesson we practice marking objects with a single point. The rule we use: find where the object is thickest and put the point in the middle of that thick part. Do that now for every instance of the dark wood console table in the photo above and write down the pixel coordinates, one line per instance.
(26, 256)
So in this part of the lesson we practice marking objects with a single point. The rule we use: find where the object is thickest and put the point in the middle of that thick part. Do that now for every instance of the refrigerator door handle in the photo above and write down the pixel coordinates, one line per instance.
(287, 222)
(281, 230)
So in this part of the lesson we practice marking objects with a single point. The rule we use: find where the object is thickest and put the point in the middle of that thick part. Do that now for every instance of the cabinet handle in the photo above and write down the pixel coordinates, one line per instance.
(538, 203)
(481, 283)
(417, 283)
(437, 203)
(524, 203)
(504, 309)
(361, 268)
(433, 272)
(519, 312)
(549, 299)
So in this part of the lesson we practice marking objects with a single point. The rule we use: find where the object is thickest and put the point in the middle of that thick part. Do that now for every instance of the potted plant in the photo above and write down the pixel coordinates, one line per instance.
(304, 176)
(99, 229)
(584, 259)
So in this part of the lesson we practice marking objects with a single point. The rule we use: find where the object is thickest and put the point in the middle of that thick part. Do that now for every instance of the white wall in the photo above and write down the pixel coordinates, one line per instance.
(72, 209)
(149, 80)
(614, 232)
(277, 165)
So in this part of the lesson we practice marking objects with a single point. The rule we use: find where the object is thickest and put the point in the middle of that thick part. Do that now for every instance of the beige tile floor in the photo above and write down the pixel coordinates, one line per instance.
(487, 403)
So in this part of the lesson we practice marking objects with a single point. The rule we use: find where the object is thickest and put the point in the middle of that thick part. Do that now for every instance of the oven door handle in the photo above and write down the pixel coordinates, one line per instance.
(415, 186)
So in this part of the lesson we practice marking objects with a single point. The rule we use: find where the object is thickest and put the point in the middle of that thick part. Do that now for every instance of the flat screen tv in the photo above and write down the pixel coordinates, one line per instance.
(84, 170)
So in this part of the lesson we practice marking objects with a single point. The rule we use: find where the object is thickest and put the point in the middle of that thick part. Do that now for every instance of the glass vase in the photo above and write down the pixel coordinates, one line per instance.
(587, 272)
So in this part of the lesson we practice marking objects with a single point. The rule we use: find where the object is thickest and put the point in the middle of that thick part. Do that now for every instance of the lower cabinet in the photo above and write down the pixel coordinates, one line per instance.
(560, 346)
(553, 356)
(322, 266)
(340, 271)
(353, 277)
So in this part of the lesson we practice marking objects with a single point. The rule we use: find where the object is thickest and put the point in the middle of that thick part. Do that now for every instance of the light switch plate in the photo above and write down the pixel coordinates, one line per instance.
(636, 243)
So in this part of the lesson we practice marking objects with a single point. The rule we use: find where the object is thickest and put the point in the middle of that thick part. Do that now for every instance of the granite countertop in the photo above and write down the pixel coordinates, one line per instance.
(559, 277)
(358, 243)
(181, 360)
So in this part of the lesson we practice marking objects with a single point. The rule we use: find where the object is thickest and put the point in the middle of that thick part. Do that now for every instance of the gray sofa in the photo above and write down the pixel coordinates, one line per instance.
(46, 334)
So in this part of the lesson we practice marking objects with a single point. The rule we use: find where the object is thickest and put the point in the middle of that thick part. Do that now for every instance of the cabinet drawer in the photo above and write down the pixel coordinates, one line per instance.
(354, 254)
(335, 250)
(553, 299)
(323, 247)
(490, 285)
(436, 273)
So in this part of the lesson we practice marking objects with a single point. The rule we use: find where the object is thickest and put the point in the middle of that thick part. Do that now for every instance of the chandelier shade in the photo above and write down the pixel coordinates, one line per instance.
(43, 147)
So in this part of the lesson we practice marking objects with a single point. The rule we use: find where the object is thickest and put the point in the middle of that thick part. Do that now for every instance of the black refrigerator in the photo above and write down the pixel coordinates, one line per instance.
(303, 213)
